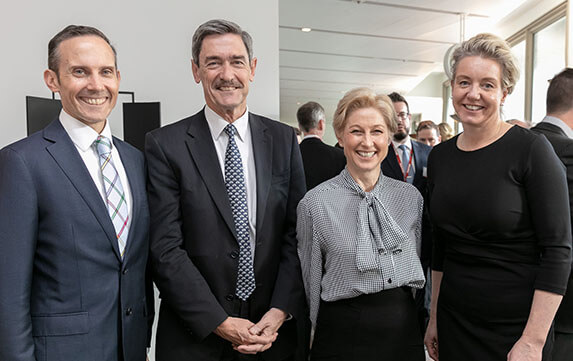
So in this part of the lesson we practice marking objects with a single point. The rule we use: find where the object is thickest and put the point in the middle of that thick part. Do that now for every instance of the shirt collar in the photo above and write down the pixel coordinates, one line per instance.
(217, 124)
(559, 123)
(82, 135)
(310, 136)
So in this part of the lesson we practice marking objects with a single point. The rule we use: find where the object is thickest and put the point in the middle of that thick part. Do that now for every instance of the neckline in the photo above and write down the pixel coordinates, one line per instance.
(498, 140)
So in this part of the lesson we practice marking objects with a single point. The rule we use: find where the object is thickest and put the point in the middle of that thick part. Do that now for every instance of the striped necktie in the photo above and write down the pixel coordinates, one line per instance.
(115, 197)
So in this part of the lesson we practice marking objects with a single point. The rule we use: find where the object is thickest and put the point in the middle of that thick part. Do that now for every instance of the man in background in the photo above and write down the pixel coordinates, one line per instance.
(428, 133)
(321, 161)
(74, 222)
(557, 128)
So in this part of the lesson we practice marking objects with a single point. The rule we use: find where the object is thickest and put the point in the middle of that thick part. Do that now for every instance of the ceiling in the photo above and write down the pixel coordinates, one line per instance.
(388, 45)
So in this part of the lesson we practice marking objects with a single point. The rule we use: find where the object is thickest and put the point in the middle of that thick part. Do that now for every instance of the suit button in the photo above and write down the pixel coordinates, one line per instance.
(124, 271)
(389, 280)
(128, 311)
(230, 297)
(234, 254)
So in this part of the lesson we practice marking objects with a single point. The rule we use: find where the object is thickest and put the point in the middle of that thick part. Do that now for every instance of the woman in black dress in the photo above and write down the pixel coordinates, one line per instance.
(502, 235)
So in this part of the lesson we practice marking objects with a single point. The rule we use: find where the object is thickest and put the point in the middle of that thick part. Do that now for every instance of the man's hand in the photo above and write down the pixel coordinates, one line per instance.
(266, 327)
(236, 330)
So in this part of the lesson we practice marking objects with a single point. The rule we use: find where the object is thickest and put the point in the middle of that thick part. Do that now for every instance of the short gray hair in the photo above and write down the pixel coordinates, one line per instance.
(219, 27)
(308, 116)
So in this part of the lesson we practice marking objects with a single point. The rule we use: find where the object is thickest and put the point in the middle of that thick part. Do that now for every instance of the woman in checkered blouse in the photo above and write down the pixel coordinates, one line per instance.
(359, 240)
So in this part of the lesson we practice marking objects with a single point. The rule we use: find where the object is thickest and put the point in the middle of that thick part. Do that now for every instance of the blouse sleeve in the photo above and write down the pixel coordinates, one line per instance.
(310, 258)
(546, 189)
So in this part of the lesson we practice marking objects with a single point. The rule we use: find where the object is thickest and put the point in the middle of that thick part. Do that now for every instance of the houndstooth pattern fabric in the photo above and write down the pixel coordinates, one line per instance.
(115, 197)
(352, 242)
(235, 184)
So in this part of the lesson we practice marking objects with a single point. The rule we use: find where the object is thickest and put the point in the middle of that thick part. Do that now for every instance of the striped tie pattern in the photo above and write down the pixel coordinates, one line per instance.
(236, 190)
(115, 197)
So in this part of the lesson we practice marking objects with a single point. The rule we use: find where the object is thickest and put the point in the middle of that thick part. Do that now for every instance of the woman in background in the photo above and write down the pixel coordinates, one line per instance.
(499, 206)
(359, 238)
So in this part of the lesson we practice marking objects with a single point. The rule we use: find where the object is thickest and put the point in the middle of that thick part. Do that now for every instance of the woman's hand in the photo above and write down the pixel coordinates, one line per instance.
(526, 349)
(431, 339)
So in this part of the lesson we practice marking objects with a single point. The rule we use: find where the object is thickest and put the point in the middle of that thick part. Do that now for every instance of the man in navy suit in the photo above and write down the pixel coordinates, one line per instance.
(321, 161)
(223, 189)
(557, 127)
(407, 160)
(74, 222)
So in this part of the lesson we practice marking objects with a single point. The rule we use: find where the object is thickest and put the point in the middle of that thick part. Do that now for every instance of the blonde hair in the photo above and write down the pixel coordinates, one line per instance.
(492, 47)
(360, 98)
(446, 131)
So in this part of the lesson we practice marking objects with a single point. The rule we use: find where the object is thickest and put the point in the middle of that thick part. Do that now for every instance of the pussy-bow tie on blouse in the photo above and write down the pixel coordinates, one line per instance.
(378, 232)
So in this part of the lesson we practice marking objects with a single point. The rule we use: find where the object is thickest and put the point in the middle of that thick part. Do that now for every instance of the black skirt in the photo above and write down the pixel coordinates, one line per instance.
(380, 326)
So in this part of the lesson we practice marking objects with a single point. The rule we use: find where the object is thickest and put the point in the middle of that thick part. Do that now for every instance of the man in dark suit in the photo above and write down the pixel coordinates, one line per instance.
(223, 189)
(321, 161)
(407, 161)
(557, 128)
(74, 221)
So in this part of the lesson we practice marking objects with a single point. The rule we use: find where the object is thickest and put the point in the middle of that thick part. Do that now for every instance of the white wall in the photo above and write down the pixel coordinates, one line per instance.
(153, 41)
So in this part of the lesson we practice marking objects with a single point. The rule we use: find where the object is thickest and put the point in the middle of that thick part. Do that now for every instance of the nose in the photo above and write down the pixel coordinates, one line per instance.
(474, 92)
(367, 140)
(227, 72)
(95, 82)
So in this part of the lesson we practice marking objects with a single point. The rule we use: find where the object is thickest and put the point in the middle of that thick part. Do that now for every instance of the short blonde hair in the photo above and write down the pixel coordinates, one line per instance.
(446, 131)
(492, 47)
(360, 98)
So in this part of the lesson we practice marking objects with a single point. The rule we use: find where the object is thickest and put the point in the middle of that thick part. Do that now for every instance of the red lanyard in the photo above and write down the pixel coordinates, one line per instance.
(400, 162)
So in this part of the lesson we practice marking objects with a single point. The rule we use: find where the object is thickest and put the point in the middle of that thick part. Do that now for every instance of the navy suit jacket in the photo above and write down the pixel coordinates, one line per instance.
(563, 146)
(65, 293)
(391, 168)
(194, 248)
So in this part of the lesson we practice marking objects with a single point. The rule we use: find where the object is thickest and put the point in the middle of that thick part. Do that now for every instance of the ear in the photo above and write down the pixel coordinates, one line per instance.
(505, 92)
(340, 140)
(253, 68)
(51, 80)
(321, 124)
(195, 70)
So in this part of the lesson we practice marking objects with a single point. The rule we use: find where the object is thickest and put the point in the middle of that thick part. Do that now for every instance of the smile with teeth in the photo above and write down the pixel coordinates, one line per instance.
(366, 154)
(94, 101)
(473, 107)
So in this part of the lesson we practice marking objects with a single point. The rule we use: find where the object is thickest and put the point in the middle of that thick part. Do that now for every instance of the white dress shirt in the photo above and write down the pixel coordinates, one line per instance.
(83, 136)
(408, 143)
(244, 142)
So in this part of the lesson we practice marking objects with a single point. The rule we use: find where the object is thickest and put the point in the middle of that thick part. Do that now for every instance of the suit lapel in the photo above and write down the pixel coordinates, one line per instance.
(262, 151)
(66, 155)
(419, 172)
(202, 151)
(394, 165)
(133, 172)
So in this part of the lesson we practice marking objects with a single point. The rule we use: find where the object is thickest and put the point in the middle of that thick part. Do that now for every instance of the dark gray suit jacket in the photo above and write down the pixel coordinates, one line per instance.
(563, 146)
(321, 161)
(194, 247)
(65, 293)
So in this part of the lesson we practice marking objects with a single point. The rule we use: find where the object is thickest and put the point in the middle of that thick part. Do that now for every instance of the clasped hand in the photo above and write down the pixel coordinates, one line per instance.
(248, 337)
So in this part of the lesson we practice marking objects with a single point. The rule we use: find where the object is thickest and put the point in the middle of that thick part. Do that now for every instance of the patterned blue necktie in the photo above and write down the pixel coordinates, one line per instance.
(115, 197)
(407, 169)
(237, 192)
